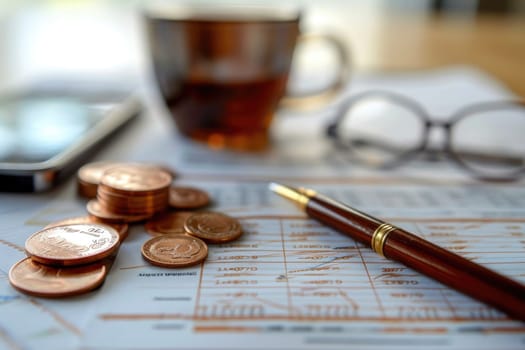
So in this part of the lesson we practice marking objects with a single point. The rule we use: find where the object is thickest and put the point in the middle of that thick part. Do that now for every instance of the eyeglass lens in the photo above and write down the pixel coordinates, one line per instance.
(379, 131)
(490, 142)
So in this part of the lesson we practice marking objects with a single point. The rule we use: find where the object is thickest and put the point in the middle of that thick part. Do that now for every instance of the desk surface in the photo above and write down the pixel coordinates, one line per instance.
(380, 41)
(494, 44)
(291, 283)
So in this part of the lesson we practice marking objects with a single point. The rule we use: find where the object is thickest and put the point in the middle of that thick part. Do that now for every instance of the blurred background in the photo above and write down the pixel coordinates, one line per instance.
(103, 38)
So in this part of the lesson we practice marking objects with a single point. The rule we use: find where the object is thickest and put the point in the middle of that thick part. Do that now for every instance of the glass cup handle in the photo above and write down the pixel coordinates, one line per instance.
(321, 96)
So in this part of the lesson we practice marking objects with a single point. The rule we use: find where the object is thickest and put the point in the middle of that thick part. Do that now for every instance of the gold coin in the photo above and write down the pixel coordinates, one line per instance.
(168, 223)
(135, 179)
(188, 197)
(74, 244)
(174, 250)
(122, 228)
(94, 208)
(213, 227)
(36, 279)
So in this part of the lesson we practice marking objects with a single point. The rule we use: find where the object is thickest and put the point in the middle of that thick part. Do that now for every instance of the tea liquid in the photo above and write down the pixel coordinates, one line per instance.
(227, 114)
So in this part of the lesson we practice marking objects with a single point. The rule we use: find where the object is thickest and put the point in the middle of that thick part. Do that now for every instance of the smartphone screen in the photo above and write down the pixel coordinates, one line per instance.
(46, 134)
(37, 129)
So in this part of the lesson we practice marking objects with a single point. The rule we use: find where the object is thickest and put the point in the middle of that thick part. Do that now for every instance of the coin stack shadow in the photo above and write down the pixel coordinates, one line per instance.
(125, 193)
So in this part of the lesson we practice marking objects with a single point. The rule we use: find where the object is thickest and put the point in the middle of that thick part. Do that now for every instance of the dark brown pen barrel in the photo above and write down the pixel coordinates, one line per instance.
(431, 260)
(459, 273)
(345, 219)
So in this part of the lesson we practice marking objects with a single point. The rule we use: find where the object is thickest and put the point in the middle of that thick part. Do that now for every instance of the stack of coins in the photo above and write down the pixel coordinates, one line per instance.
(133, 190)
(74, 255)
(174, 250)
(89, 175)
(65, 260)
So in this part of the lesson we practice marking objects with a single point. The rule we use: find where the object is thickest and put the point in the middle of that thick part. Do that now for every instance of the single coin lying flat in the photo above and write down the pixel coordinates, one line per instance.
(213, 227)
(168, 223)
(188, 198)
(36, 279)
(74, 244)
(174, 250)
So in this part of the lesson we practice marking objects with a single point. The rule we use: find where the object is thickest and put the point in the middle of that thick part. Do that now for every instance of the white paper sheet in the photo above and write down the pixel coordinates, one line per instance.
(289, 282)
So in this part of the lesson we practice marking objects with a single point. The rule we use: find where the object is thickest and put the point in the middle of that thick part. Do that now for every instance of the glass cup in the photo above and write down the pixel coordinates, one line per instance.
(223, 71)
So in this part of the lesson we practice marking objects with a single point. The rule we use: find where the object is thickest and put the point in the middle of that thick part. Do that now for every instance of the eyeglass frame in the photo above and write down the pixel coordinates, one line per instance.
(332, 130)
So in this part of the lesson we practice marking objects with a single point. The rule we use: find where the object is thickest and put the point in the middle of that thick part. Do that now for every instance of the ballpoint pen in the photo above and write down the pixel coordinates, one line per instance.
(414, 252)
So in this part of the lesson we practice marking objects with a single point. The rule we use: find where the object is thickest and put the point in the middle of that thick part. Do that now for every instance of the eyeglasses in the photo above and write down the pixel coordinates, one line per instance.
(384, 129)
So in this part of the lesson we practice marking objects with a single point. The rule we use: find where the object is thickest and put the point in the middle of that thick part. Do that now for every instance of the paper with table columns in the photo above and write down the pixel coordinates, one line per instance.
(289, 282)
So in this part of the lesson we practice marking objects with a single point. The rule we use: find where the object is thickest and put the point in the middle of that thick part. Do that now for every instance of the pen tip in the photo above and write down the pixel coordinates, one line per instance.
(274, 187)
(289, 192)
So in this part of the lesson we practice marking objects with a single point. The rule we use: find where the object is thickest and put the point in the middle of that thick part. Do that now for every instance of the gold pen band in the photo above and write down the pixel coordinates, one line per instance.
(379, 237)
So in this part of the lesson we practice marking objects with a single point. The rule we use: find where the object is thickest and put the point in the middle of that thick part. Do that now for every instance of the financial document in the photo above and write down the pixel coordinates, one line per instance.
(289, 282)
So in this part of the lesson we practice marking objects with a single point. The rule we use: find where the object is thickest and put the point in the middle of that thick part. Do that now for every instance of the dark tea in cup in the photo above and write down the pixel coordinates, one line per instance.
(222, 71)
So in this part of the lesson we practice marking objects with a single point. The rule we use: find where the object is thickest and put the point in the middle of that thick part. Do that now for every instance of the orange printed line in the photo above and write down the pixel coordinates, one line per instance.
(437, 219)
(415, 330)
(12, 245)
(505, 330)
(56, 316)
(204, 329)
(137, 317)
(199, 289)
(398, 219)
(11, 343)
(273, 217)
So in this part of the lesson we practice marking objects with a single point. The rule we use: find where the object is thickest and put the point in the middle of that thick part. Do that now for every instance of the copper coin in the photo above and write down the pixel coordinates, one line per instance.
(89, 177)
(213, 227)
(168, 223)
(133, 199)
(92, 172)
(122, 228)
(73, 244)
(86, 190)
(40, 280)
(136, 178)
(133, 204)
(94, 208)
(174, 250)
(167, 169)
(188, 197)
(146, 209)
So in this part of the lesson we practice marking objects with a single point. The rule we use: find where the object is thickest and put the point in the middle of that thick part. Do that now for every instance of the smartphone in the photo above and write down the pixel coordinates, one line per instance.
(50, 129)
